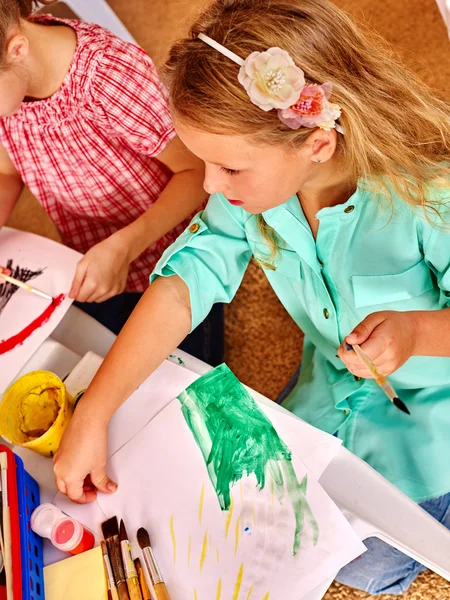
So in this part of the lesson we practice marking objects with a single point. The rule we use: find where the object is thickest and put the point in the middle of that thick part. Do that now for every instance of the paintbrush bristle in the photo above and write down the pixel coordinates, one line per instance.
(104, 548)
(143, 538)
(401, 405)
(137, 564)
(110, 528)
(122, 532)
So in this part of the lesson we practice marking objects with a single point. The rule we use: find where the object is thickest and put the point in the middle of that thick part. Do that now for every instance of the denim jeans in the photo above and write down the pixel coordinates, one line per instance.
(383, 569)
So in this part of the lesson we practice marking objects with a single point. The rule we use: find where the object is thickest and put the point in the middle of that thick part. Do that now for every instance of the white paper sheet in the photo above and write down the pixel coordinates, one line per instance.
(51, 267)
(162, 477)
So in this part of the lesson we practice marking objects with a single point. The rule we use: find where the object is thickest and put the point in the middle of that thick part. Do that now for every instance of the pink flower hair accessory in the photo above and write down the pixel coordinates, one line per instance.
(273, 81)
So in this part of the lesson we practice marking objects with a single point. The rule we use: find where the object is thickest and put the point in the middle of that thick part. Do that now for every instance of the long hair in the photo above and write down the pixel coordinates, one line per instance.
(397, 131)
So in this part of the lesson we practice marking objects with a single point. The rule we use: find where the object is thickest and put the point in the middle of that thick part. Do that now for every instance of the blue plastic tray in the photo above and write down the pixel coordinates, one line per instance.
(31, 549)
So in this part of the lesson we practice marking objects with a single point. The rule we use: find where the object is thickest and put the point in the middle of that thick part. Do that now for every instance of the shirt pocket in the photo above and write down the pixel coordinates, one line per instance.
(398, 287)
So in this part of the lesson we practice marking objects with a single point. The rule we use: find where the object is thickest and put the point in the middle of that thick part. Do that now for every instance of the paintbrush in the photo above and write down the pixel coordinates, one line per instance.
(110, 529)
(130, 570)
(112, 590)
(6, 527)
(152, 566)
(25, 286)
(144, 587)
(380, 379)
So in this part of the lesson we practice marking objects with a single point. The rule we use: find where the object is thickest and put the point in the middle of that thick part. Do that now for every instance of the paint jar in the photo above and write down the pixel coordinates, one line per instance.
(35, 412)
(70, 536)
(43, 518)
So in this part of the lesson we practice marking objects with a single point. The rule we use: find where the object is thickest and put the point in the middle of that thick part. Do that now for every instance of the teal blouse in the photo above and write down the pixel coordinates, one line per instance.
(367, 257)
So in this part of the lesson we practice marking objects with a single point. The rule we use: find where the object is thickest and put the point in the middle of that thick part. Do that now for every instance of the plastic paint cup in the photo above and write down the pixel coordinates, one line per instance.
(70, 536)
(43, 518)
(33, 396)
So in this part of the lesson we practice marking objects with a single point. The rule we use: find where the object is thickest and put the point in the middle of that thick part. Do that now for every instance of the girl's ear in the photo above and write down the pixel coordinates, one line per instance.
(17, 49)
(323, 145)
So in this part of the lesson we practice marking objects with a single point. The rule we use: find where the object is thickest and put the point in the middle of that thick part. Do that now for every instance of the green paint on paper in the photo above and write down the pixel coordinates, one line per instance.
(179, 360)
(237, 439)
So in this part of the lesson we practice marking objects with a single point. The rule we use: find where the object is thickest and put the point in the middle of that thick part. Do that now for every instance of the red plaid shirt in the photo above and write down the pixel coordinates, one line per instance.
(88, 153)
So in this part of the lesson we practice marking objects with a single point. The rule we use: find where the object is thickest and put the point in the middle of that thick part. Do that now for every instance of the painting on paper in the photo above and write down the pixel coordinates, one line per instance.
(25, 318)
(232, 511)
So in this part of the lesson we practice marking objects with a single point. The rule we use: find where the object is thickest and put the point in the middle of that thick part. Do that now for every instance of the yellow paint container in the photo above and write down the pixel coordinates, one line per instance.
(35, 411)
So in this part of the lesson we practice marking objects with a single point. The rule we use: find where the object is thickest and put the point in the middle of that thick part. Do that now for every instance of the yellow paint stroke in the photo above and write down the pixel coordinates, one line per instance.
(272, 496)
(237, 587)
(189, 551)
(266, 597)
(217, 555)
(200, 504)
(195, 594)
(174, 539)
(229, 517)
(236, 534)
(204, 550)
(250, 592)
(219, 589)
(254, 514)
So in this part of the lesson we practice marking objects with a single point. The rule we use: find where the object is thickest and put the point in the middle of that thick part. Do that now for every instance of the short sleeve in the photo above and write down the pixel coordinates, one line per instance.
(132, 99)
(211, 256)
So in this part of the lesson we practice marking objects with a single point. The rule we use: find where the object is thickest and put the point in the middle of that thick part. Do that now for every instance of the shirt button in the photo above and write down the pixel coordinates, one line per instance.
(320, 263)
(349, 209)
(326, 314)
(194, 227)
(357, 378)
(346, 411)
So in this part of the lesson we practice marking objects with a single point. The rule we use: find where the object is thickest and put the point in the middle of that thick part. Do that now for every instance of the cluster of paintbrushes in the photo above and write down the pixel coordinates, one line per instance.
(126, 578)
(6, 570)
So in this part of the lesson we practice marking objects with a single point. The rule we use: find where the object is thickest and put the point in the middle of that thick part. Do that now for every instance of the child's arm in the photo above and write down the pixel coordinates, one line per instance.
(103, 271)
(11, 186)
(159, 322)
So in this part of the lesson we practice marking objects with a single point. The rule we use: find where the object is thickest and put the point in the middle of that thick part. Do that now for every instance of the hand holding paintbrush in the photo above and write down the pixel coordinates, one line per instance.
(379, 378)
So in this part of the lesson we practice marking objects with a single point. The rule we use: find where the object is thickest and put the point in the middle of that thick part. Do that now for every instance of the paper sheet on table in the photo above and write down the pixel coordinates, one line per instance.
(80, 577)
(44, 264)
(315, 448)
(164, 486)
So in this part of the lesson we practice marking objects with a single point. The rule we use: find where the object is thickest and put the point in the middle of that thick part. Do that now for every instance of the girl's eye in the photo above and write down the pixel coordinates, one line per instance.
(229, 171)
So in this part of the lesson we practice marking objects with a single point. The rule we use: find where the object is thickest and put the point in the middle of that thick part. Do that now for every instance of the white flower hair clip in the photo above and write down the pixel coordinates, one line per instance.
(272, 80)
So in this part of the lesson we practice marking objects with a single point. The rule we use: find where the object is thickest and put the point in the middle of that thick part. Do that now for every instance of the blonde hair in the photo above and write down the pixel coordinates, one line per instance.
(397, 132)
(11, 11)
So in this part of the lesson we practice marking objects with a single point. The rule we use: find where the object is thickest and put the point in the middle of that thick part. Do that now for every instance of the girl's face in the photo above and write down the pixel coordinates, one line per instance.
(253, 176)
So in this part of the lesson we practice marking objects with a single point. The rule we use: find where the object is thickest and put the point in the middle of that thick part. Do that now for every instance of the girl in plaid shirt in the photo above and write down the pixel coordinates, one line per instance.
(85, 125)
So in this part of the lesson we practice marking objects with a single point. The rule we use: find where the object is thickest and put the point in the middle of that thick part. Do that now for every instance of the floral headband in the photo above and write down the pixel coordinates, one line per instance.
(273, 80)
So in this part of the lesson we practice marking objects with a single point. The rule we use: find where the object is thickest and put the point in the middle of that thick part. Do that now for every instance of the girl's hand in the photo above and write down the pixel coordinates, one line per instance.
(388, 339)
(5, 272)
(102, 272)
(79, 464)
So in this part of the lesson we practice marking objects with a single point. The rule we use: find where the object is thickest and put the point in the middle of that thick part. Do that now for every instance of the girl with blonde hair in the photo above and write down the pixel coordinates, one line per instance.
(328, 161)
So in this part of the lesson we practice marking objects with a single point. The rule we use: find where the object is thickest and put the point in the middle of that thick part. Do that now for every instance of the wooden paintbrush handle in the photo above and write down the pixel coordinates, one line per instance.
(122, 590)
(134, 589)
(161, 591)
